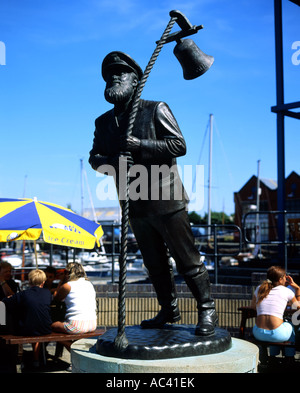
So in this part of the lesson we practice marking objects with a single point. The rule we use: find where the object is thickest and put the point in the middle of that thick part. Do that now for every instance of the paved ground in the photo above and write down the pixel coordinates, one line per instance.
(53, 364)
(281, 366)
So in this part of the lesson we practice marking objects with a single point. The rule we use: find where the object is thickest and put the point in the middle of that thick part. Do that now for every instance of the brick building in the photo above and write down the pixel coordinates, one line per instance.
(245, 202)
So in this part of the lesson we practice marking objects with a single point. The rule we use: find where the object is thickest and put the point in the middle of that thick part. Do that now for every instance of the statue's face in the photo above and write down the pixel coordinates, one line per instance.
(120, 86)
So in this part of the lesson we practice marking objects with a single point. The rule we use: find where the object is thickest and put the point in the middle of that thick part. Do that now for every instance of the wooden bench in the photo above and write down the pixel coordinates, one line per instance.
(247, 313)
(10, 339)
(52, 337)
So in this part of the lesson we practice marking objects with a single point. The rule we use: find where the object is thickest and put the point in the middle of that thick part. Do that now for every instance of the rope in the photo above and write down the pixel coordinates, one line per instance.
(121, 341)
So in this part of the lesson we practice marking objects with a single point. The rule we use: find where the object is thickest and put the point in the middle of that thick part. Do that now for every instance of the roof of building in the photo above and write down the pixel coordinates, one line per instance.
(270, 183)
(111, 214)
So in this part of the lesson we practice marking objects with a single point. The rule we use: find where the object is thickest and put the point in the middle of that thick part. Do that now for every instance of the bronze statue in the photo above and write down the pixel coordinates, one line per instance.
(158, 216)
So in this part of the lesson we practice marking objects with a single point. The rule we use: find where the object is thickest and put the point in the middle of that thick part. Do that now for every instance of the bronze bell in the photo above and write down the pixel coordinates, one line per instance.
(194, 62)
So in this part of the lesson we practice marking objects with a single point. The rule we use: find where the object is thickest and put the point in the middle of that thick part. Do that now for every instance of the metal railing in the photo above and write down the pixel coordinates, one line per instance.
(115, 244)
(212, 239)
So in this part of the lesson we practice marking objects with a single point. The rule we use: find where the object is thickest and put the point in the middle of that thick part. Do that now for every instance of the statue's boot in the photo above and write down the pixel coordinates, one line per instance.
(199, 284)
(164, 286)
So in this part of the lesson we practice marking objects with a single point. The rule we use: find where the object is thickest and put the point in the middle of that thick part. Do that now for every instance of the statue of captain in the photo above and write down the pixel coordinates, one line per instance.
(160, 224)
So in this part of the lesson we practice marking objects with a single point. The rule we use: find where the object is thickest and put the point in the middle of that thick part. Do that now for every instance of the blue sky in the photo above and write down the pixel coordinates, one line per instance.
(52, 90)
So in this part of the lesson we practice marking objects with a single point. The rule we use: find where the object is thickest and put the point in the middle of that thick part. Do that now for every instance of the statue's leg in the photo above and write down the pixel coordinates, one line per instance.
(156, 259)
(199, 284)
(181, 243)
(166, 295)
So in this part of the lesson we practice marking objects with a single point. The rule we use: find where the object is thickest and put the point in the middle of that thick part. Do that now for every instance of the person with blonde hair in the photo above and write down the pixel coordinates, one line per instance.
(270, 300)
(79, 295)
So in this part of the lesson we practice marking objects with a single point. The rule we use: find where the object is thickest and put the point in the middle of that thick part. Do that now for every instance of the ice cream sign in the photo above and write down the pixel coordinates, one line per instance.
(65, 235)
(70, 228)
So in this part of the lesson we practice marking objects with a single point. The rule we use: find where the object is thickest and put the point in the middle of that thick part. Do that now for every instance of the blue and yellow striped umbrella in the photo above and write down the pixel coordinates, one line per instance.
(26, 219)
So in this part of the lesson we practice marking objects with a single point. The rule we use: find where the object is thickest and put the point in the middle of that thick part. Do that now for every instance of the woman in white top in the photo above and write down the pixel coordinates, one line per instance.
(270, 300)
(79, 296)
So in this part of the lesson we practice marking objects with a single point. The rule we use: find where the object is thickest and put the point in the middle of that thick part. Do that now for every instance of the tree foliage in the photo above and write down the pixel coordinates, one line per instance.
(216, 218)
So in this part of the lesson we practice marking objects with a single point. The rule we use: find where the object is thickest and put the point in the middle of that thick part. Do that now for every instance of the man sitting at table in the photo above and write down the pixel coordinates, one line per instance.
(31, 308)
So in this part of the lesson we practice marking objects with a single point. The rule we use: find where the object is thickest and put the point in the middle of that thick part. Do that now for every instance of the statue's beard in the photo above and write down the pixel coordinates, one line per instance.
(118, 93)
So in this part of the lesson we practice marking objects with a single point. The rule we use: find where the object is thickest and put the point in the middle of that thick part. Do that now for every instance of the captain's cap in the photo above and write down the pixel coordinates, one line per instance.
(116, 58)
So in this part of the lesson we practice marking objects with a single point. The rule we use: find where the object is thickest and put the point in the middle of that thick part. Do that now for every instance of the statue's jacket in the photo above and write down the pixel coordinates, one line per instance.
(157, 188)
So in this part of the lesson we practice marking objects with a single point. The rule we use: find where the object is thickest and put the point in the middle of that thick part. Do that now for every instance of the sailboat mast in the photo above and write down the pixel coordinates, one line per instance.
(84, 177)
(81, 177)
(210, 172)
(257, 206)
(257, 190)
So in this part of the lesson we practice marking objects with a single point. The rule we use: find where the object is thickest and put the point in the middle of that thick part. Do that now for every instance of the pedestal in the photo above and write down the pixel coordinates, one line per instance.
(242, 357)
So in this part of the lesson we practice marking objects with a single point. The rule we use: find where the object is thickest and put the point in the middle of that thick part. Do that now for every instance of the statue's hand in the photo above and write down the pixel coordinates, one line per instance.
(130, 143)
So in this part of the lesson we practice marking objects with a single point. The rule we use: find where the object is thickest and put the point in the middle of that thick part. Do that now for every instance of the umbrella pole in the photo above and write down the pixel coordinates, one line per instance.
(35, 253)
(23, 262)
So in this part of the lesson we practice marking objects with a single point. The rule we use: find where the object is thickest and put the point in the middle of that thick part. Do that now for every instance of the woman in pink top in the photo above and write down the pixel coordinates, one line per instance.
(270, 300)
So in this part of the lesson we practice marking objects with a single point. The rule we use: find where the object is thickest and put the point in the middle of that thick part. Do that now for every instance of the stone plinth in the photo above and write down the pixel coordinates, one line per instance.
(242, 357)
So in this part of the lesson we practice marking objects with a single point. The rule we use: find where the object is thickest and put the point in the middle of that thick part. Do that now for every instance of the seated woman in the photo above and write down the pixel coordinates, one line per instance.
(270, 300)
(79, 296)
